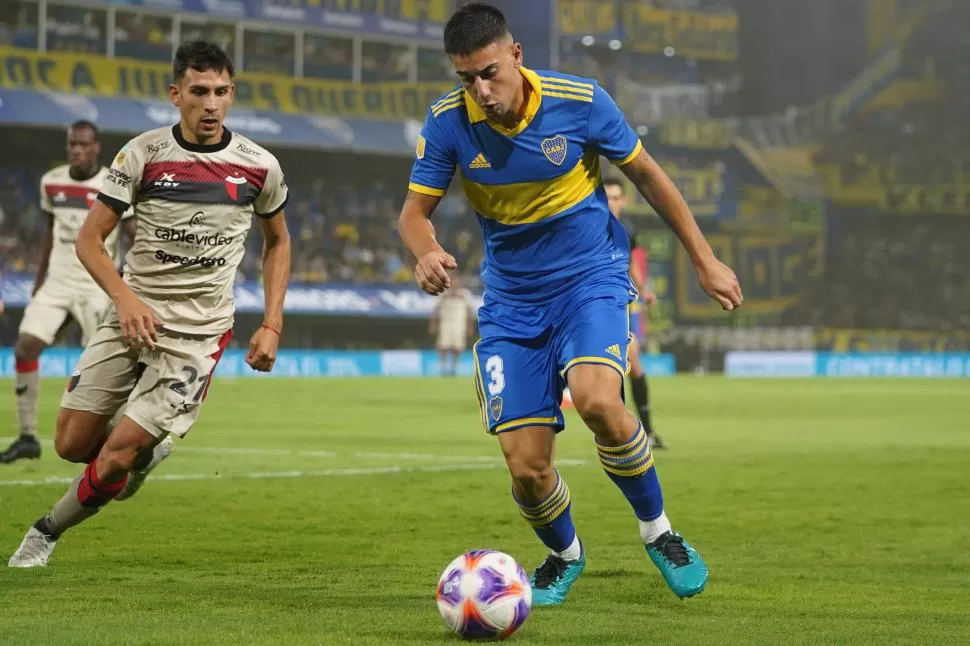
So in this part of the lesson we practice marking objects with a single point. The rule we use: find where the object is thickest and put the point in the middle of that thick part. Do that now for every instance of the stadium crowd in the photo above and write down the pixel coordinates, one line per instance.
(892, 272)
(342, 231)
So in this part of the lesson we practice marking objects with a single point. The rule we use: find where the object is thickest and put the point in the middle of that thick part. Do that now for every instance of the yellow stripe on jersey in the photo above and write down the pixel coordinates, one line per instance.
(447, 97)
(629, 158)
(563, 95)
(445, 106)
(426, 190)
(623, 370)
(479, 387)
(546, 80)
(558, 87)
(526, 421)
(526, 202)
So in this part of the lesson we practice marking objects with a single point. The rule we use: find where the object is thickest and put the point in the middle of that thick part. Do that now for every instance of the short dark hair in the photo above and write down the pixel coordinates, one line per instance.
(84, 123)
(615, 181)
(202, 56)
(473, 27)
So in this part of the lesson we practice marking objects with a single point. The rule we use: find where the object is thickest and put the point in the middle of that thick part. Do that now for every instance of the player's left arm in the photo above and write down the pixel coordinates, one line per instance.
(265, 342)
(717, 279)
(609, 131)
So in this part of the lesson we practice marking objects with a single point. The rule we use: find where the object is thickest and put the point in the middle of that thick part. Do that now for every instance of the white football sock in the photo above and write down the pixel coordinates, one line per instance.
(571, 553)
(651, 530)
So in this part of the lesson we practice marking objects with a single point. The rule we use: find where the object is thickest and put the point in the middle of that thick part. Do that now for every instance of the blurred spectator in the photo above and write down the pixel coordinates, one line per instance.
(143, 36)
(326, 57)
(76, 29)
(221, 33)
(272, 52)
(385, 62)
(892, 272)
(18, 23)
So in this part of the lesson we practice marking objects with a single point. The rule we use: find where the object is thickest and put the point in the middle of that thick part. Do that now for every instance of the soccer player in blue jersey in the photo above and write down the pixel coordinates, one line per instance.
(527, 145)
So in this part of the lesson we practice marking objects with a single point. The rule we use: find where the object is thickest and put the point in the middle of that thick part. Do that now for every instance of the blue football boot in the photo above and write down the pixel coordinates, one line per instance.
(552, 580)
(682, 567)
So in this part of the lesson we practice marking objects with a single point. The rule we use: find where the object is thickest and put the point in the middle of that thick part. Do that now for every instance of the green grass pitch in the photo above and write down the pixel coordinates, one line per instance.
(322, 512)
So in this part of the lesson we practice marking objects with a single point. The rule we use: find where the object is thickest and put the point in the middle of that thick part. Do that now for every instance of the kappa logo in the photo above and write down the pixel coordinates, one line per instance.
(479, 162)
(614, 350)
(554, 148)
(232, 186)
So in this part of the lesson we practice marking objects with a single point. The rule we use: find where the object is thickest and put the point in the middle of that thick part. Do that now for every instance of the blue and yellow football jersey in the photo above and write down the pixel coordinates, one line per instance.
(537, 188)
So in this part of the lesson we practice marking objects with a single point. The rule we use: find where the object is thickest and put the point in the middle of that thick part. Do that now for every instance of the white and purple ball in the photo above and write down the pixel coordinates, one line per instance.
(484, 594)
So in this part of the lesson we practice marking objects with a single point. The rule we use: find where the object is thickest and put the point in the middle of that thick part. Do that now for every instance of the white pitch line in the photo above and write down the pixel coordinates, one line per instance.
(261, 475)
(360, 455)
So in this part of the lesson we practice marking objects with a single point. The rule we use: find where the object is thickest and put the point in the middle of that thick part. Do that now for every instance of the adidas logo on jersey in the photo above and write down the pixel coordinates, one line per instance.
(614, 350)
(479, 162)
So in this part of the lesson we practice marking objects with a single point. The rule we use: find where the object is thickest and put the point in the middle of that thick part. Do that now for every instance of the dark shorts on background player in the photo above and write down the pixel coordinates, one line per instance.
(526, 350)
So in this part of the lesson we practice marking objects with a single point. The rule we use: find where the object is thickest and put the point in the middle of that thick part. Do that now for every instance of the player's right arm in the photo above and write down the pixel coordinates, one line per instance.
(137, 320)
(46, 245)
(433, 169)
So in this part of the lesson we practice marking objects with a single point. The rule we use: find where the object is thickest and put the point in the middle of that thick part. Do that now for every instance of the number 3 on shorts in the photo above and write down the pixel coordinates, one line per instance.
(495, 368)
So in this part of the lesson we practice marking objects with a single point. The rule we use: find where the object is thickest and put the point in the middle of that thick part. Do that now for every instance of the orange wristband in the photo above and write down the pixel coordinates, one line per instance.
(271, 329)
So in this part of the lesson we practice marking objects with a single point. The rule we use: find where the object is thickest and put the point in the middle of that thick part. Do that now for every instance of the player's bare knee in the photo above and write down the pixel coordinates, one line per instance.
(599, 408)
(533, 475)
(115, 462)
(78, 436)
(28, 348)
(69, 442)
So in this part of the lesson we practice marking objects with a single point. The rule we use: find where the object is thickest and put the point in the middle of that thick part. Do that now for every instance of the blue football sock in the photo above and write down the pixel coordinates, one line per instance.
(550, 518)
(631, 467)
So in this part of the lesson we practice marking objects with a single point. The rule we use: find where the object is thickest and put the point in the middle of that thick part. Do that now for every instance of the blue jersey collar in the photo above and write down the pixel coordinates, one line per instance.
(476, 114)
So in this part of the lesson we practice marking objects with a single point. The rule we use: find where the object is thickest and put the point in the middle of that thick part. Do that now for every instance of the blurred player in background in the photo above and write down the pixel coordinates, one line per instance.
(617, 199)
(557, 279)
(62, 287)
(451, 321)
(195, 188)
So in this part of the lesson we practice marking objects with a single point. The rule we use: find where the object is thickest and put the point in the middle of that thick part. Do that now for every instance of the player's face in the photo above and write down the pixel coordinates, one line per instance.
(82, 148)
(203, 99)
(491, 76)
(616, 199)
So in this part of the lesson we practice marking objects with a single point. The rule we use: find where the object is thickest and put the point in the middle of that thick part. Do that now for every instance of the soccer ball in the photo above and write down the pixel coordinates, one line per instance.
(484, 594)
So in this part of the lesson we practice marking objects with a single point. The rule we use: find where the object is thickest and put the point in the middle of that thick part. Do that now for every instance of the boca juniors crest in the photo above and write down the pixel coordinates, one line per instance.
(554, 148)
(495, 407)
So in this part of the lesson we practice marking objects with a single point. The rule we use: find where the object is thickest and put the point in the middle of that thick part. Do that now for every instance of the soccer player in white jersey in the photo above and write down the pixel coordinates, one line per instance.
(62, 287)
(450, 322)
(195, 188)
